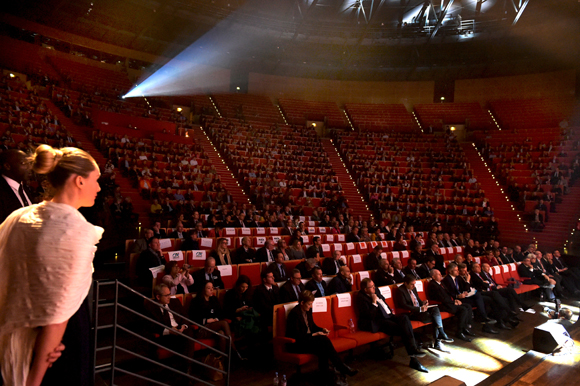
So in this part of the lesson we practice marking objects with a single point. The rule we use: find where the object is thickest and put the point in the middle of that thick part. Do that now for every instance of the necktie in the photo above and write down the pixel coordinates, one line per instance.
(414, 298)
(282, 272)
(456, 285)
(297, 292)
(415, 273)
(22, 196)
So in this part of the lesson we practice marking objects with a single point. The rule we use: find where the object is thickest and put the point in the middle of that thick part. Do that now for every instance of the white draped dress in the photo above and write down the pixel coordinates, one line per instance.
(46, 266)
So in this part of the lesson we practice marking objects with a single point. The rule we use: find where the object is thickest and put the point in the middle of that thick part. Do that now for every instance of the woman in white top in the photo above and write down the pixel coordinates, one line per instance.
(177, 279)
(43, 289)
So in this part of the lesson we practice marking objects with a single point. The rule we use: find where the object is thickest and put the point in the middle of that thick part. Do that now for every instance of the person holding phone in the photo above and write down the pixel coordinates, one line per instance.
(176, 278)
(311, 339)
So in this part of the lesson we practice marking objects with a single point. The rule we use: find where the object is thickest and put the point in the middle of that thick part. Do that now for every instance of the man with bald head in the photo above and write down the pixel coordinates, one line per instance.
(341, 283)
(15, 168)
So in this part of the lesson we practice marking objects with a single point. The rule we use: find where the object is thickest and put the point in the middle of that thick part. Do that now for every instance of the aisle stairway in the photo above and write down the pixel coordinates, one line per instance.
(511, 228)
(83, 135)
(355, 199)
(226, 176)
(561, 223)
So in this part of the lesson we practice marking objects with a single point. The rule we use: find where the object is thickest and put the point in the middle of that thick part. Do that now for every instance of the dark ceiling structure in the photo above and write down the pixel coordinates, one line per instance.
(335, 39)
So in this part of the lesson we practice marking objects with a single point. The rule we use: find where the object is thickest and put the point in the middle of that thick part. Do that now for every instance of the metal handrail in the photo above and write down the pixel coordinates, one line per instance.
(116, 326)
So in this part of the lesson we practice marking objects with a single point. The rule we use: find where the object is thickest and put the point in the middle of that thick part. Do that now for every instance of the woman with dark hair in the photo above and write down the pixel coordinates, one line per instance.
(238, 308)
(205, 309)
(55, 246)
(176, 278)
(400, 244)
(311, 339)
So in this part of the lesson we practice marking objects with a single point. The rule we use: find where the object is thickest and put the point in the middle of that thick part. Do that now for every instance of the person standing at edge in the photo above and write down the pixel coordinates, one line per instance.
(55, 246)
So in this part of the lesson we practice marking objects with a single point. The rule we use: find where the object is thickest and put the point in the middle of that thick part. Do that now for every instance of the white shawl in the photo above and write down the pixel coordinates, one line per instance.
(46, 256)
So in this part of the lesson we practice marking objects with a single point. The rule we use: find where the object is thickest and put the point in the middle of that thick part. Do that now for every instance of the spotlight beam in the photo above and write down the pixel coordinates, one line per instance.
(440, 20)
(520, 10)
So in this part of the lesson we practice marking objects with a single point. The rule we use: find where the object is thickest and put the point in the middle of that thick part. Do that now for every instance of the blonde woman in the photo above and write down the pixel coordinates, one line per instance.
(43, 291)
(222, 253)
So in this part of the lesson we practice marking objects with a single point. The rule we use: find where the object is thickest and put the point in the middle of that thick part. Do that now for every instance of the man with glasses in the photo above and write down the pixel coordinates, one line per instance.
(291, 290)
(375, 315)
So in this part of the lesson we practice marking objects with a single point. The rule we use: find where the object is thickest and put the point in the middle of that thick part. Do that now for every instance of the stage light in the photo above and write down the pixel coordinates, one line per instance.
(442, 98)
(12, 75)
(452, 128)
(238, 88)
(179, 109)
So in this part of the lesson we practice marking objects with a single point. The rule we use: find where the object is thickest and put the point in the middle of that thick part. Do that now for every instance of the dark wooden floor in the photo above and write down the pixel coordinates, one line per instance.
(470, 362)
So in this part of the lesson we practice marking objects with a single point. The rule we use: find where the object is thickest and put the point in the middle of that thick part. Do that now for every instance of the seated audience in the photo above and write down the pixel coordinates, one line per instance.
(331, 265)
(309, 338)
(317, 285)
(142, 244)
(291, 290)
(177, 279)
(278, 268)
(305, 267)
(245, 254)
(371, 261)
(208, 273)
(191, 242)
(222, 253)
(295, 251)
(265, 297)
(384, 275)
(341, 283)
(149, 258)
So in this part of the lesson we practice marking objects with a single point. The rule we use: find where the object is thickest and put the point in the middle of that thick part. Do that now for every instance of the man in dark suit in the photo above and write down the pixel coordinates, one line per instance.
(482, 280)
(315, 248)
(142, 244)
(208, 273)
(398, 272)
(199, 230)
(411, 269)
(384, 275)
(371, 261)
(265, 297)
(245, 253)
(306, 267)
(407, 298)
(331, 266)
(563, 268)
(424, 270)
(317, 285)
(435, 252)
(157, 231)
(15, 169)
(291, 290)
(278, 268)
(178, 233)
(341, 283)
(287, 230)
(266, 253)
(462, 311)
(191, 242)
(174, 324)
(458, 289)
(375, 315)
(149, 258)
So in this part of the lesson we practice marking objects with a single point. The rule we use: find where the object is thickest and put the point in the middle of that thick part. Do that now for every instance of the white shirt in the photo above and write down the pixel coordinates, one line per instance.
(171, 318)
(384, 305)
(15, 186)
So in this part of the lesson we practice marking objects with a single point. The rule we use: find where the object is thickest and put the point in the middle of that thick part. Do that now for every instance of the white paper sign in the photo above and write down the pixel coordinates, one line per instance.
(305, 239)
(276, 238)
(197, 255)
(260, 231)
(497, 270)
(404, 254)
(343, 258)
(340, 238)
(321, 230)
(419, 285)
(373, 244)
(344, 300)
(319, 305)
(165, 243)
(175, 255)
(478, 260)
(513, 266)
(325, 248)
(395, 254)
(311, 224)
(349, 246)
(301, 218)
(156, 270)
(363, 245)
(356, 259)
(311, 230)
(225, 270)
(385, 291)
(459, 249)
(363, 275)
(205, 242)
(260, 240)
(273, 231)
(383, 255)
(506, 268)
(338, 247)
(246, 231)
(231, 231)
(329, 238)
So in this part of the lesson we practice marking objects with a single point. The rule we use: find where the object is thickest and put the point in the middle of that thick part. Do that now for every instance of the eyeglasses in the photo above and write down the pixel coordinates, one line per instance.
(169, 294)
(372, 286)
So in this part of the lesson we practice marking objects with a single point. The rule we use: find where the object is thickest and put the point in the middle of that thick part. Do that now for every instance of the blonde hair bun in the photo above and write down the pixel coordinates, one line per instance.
(45, 159)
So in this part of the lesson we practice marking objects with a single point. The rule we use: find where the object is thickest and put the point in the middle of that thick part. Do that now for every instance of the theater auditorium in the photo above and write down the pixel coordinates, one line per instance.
(291, 192)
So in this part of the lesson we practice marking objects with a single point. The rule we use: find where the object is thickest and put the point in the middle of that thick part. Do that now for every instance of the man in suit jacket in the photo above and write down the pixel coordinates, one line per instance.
(142, 244)
(174, 324)
(149, 258)
(245, 253)
(331, 265)
(375, 315)
(462, 311)
(563, 268)
(458, 289)
(208, 273)
(278, 268)
(15, 169)
(287, 230)
(407, 298)
(265, 297)
(341, 283)
(384, 275)
(317, 285)
(398, 272)
(435, 252)
(315, 248)
(291, 290)
(482, 280)
(157, 231)
(179, 233)
(411, 269)
(424, 270)
(266, 253)
(199, 230)
(371, 261)
(191, 242)
(306, 267)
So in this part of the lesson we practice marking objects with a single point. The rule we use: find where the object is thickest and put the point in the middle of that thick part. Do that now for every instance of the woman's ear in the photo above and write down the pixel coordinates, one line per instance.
(78, 181)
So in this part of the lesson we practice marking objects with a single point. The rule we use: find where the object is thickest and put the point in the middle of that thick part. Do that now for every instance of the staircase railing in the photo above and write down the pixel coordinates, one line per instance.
(115, 347)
